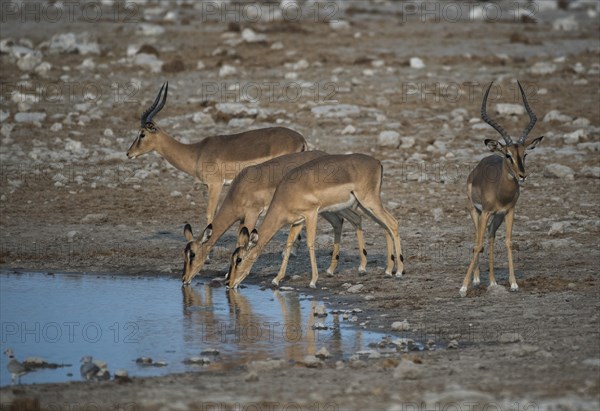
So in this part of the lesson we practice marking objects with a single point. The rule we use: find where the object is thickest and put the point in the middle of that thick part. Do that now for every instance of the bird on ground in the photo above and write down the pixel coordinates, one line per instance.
(14, 367)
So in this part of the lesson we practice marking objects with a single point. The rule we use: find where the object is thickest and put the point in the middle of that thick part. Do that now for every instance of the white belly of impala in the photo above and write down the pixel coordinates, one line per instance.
(341, 206)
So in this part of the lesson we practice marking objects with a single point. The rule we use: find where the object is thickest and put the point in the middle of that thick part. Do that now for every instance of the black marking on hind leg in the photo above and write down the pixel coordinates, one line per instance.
(299, 237)
(393, 257)
(401, 258)
(337, 257)
(364, 252)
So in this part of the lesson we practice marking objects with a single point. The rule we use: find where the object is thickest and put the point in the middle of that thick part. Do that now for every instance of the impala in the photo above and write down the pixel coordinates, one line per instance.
(326, 184)
(493, 191)
(214, 161)
(248, 198)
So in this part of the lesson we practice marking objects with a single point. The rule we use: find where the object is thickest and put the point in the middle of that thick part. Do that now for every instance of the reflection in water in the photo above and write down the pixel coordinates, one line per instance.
(63, 317)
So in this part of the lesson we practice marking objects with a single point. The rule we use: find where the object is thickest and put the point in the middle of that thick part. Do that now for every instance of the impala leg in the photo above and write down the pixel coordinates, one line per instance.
(491, 258)
(214, 191)
(356, 220)
(375, 210)
(475, 217)
(337, 223)
(510, 215)
(294, 231)
(311, 233)
(481, 225)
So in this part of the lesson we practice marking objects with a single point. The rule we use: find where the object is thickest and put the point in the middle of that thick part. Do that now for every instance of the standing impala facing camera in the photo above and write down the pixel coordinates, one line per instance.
(214, 161)
(493, 191)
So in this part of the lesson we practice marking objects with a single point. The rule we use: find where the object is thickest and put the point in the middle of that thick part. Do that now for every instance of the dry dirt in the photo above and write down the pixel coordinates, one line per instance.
(555, 366)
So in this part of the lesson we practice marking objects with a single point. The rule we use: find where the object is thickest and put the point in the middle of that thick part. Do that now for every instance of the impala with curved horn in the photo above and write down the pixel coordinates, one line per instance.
(493, 191)
(214, 161)
(249, 197)
(332, 183)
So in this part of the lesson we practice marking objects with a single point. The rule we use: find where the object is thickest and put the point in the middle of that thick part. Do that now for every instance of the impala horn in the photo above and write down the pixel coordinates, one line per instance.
(491, 122)
(532, 117)
(155, 107)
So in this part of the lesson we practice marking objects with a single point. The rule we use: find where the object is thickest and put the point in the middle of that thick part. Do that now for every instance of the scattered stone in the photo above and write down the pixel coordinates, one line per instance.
(349, 129)
(200, 65)
(541, 68)
(251, 377)
(122, 376)
(591, 171)
(555, 170)
(557, 244)
(400, 325)
(29, 61)
(323, 353)
(277, 46)
(565, 24)
(4, 115)
(506, 338)
(355, 288)
(558, 228)
(144, 360)
(240, 122)
(197, 360)
(176, 194)
(71, 235)
(320, 311)
(147, 29)
(203, 118)
(249, 36)
(339, 24)
(97, 218)
(71, 43)
(507, 109)
(416, 63)
(555, 115)
(594, 362)
(335, 111)
(229, 110)
(438, 214)
(573, 138)
(227, 70)
(408, 370)
(407, 142)
(388, 138)
(453, 344)
(318, 325)
(108, 133)
(210, 351)
(581, 122)
(310, 361)
(149, 61)
(31, 118)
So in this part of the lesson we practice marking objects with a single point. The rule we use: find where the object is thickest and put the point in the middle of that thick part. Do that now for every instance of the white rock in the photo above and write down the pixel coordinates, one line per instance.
(299, 65)
(71, 236)
(249, 36)
(507, 109)
(335, 110)
(277, 46)
(323, 353)
(69, 43)
(30, 117)
(565, 24)
(43, 68)
(542, 68)
(573, 138)
(388, 138)
(355, 288)
(56, 127)
(438, 213)
(559, 171)
(311, 361)
(200, 65)
(581, 122)
(176, 194)
(320, 311)
(240, 122)
(147, 29)
(95, 218)
(108, 133)
(88, 64)
(416, 63)
(4, 115)
(339, 24)
(149, 61)
(203, 118)
(292, 75)
(349, 129)
(555, 115)
(236, 109)
(29, 61)
(558, 227)
(591, 171)
(400, 325)
(407, 142)
(227, 70)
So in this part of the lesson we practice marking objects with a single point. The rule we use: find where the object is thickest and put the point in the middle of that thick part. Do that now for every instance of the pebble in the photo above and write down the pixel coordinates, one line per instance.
(310, 361)
(29, 61)
(573, 138)
(147, 29)
(506, 338)
(227, 70)
(251, 377)
(355, 288)
(591, 171)
(555, 115)
(541, 68)
(416, 63)
(56, 127)
(320, 311)
(565, 24)
(558, 227)
(555, 170)
(318, 325)
(339, 24)
(33, 117)
(323, 353)
(236, 110)
(388, 138)
(176, 194)
(4, 115)
(95, 218)
(400, 325)
(407, 142)
(336, 111)
(250, 36)
(453, 344)
(349, 129)
(197, 360)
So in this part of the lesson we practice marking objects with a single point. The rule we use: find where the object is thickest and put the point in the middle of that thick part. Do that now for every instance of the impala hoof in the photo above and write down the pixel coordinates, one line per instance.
(399, 274)
(362, 270)
(476, 282)
(463, 291)
(329, 272)
(275, 283)
(312, 285)
(514, 287)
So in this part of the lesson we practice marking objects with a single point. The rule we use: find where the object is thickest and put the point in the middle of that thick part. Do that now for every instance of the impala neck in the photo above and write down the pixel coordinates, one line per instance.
(182, 156)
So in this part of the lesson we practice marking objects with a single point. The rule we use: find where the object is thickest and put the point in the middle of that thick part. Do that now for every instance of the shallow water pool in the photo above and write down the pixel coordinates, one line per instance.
(117, 319)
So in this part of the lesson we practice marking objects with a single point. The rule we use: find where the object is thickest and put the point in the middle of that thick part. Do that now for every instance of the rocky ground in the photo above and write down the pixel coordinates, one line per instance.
(374, 77)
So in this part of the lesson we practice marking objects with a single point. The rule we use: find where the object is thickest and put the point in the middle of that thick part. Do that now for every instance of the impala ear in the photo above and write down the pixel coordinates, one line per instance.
(187, 232)
(207, 234)
(534, 143)
(493, 145)
(253, 238)
(243, 237)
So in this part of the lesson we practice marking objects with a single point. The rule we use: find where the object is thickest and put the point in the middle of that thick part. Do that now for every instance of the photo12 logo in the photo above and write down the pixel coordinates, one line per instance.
(70, 11)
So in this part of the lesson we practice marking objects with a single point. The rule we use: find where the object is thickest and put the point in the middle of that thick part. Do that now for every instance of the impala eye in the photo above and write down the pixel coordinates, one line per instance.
(508, 156)
(192, 255)
(238, 260)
